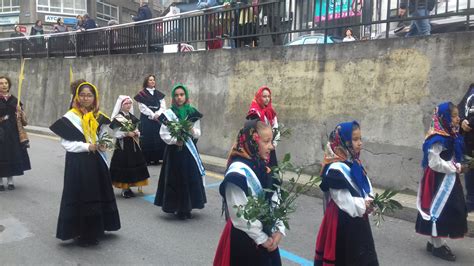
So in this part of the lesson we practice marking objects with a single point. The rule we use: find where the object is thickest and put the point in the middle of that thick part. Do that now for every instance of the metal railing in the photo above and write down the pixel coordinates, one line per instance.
(240, 25)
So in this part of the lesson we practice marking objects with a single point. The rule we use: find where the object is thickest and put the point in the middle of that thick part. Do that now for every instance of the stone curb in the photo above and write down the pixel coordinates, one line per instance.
(218, 165)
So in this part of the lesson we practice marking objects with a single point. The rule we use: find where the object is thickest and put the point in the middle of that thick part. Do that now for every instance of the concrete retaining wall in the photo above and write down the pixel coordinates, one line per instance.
(389, 86)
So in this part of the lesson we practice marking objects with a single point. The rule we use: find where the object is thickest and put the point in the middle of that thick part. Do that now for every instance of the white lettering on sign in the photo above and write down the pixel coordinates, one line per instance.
(51, 18)
(54, 19)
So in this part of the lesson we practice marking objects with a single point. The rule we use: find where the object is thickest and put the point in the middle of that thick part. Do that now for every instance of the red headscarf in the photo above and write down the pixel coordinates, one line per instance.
(258, 108)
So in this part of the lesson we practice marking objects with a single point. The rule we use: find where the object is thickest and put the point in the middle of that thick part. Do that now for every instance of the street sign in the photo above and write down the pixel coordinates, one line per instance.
(9, 20)
(54, 19)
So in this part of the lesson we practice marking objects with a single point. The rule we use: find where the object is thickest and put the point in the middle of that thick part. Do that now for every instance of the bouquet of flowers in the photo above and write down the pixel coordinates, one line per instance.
(383, 204)
(106, 140)
(128, 126)
(180, 130)
(269, 213)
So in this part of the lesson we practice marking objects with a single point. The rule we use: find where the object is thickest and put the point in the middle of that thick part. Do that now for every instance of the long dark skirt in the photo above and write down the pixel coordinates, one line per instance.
(180, 187)
(14, 159)
(354, 241)
(152, 145)
(88, 206)
(128, 165)
(244, 251)
(452, 222)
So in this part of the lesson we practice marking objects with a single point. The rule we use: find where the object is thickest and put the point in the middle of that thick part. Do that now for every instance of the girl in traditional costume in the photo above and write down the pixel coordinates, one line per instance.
(261, 109)
(128, 166)
(180, 187)
(14, 159)
(244, 243)
(88, 206)
(345, 236)
(151, 103)
(441, 207)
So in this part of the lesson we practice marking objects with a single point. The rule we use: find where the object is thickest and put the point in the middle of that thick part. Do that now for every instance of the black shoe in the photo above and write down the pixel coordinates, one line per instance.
(429, 247)
(189, 215)
(2, 188)
(11, 187)
(86, 242)
(444, 252)
(181, 215)
(125, 194)
(130, 193)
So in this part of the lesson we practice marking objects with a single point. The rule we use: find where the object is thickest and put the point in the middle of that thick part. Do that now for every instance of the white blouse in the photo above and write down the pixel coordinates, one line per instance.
(436, 163)
(236, 196)
(168, 139)
(149, 113)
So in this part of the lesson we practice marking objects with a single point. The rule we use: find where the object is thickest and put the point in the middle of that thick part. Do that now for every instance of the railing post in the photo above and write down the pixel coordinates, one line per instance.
(47, 46)
(21, 48)
(109, 40)
(147, 38)
(387, 29)
(76, 47)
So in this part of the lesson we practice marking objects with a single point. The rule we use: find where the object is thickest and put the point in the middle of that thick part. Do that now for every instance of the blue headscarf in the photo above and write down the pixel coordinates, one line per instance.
(358, 175)
(441, 131)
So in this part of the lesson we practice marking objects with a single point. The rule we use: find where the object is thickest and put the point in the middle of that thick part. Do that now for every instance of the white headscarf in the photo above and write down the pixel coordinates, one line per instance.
(118, 105)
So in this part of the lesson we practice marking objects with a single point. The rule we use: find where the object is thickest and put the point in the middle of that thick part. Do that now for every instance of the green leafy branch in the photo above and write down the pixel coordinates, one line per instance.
(180, 130)
(384, 204)
(271, 212)
(106, 140)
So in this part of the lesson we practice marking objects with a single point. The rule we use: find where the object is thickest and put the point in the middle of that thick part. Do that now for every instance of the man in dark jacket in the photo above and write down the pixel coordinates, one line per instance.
(89, 23)
(144, 12)
(418, 8)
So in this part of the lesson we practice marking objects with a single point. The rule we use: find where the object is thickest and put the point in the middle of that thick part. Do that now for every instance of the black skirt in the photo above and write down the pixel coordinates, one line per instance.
(180, 187)
(244, 251)
(128, 165)
(354, 241)
(14, 159)
(152, 145)
(452, 222)
(88, 206)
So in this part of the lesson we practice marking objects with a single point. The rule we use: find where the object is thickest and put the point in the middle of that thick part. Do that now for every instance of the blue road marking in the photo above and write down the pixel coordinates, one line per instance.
(150, 198)
(295, 258)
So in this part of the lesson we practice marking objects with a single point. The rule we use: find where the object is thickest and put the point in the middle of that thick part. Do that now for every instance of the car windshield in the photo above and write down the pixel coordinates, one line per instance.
(297, 42)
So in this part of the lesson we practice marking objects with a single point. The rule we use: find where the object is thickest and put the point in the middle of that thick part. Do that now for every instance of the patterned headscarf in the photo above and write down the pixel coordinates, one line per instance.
(339, 149)
(246, 145)
(258, 107)
(442, 131)
(88, 118)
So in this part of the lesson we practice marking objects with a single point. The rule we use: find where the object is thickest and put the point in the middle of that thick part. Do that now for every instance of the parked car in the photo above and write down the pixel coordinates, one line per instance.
(313, 39)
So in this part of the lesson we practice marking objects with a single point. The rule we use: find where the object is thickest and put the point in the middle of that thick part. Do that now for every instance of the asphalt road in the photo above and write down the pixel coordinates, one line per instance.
(28, 217)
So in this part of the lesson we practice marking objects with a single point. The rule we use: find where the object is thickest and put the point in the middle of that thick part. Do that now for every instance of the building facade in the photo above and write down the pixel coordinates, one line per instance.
(26, 12)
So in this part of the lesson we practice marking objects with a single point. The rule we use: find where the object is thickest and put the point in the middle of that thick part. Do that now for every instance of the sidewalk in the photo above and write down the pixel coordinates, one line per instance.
(218, 165)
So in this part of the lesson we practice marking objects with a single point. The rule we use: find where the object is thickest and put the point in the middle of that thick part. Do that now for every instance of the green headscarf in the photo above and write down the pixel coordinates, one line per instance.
(186, 111)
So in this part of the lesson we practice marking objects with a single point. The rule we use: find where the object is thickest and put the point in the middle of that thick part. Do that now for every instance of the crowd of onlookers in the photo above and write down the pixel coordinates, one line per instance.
(83, 23)
(236, 23)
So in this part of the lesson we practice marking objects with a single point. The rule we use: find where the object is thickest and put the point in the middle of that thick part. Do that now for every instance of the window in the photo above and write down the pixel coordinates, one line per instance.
(311, 40)
(73, 7)
(106, 11)
(9, 6)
